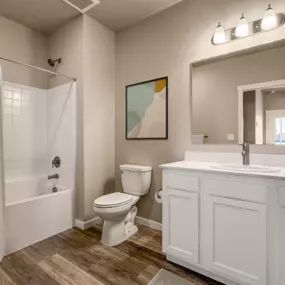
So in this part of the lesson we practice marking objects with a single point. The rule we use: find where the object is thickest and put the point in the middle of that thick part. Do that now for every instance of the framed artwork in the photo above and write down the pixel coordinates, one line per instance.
(147, 110)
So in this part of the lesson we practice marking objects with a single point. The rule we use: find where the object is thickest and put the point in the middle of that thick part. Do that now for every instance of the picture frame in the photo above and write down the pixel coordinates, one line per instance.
(147, 110)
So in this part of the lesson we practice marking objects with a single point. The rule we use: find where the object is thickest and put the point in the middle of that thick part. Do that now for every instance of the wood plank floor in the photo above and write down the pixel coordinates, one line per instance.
(77, 257)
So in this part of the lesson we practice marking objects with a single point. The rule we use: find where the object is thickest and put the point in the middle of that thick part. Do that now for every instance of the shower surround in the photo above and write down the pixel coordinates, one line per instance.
(38, 125)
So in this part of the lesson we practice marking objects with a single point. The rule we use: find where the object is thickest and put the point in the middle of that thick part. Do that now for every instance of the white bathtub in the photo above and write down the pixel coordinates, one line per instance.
(33, 212)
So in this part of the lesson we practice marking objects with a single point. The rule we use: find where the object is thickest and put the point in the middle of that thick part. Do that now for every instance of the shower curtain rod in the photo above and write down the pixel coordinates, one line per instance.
(38, 68)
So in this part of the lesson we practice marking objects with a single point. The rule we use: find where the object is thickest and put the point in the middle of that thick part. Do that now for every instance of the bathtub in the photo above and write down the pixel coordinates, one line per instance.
(33, 212)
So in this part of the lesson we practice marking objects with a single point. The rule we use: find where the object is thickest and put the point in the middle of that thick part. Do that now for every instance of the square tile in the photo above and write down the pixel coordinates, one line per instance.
(7, 110)
(8, 94)
(17, 96)
(8, 102)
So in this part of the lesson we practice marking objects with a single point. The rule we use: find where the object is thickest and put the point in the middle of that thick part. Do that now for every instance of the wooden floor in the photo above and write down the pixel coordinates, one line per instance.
(76, 257)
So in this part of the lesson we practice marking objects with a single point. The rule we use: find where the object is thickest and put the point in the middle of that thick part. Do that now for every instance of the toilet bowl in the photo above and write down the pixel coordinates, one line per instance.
(118, 210)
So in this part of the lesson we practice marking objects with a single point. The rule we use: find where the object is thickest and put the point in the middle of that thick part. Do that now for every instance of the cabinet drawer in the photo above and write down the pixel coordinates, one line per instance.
(236, 189)
(181, 182)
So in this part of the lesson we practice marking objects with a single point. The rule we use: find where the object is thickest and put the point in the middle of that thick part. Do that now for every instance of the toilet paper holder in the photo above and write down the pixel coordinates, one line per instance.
(159, 194)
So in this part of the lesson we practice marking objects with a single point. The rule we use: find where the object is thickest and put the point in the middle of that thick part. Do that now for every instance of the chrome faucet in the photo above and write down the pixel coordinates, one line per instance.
(245, 153)
(54, 176)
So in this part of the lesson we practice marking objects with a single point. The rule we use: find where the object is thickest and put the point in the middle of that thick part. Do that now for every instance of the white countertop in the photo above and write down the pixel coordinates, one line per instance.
(207, 166)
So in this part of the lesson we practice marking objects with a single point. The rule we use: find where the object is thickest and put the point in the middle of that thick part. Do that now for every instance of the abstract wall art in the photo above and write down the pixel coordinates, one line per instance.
(147, 110)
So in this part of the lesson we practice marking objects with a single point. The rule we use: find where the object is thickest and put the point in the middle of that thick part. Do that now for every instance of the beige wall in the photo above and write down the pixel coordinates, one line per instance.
(275, 101)
(88, 53)
(22, 44)
(215, 95)
(166, 44)
(67, 43)
(99, 111)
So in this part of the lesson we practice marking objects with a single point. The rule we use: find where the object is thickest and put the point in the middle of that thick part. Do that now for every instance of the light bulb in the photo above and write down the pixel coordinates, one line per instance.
(269, 19)
(242, 28)
(220, 35)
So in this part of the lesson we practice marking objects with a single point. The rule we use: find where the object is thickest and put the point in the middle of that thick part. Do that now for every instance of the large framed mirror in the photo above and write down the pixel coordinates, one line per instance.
(240, 98)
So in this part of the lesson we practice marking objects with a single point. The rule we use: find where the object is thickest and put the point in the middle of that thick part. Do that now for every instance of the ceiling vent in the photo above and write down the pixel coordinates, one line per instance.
(82, 6)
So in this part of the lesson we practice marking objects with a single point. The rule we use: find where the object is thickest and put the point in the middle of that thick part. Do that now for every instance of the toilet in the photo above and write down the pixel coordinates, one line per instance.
(118, 210)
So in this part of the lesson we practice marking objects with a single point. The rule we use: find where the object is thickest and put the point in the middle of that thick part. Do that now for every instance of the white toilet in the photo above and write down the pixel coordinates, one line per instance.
(118, 210)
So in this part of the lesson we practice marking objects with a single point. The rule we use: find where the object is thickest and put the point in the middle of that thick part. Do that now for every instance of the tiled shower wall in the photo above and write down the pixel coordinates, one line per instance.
(24, 126)
(38, 125)
(61, 132)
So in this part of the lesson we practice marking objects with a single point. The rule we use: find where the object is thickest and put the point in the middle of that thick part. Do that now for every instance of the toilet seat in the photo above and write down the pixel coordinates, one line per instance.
(113, 200)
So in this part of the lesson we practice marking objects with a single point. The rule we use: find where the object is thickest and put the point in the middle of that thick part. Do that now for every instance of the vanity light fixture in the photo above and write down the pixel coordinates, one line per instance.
(242, 29)
(220, 35)
(269, 19)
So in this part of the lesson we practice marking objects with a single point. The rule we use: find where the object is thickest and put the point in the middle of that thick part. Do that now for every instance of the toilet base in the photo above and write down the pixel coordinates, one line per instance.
(116, 232)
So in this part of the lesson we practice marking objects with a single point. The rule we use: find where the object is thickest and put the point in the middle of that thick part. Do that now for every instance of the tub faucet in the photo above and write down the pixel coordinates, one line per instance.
(54, 176)
(245, 153)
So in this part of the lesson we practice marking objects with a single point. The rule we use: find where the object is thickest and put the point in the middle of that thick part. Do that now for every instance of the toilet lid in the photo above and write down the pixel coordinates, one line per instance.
(113, 200)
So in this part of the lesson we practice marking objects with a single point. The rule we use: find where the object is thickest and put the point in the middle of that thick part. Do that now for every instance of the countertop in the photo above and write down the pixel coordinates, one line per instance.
(207, 167)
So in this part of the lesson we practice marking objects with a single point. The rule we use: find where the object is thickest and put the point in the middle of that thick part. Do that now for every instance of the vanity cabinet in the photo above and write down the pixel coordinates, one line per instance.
(216, 224)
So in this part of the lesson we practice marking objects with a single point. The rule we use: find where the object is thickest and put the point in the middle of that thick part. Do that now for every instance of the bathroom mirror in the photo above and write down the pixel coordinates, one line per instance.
(240, 98)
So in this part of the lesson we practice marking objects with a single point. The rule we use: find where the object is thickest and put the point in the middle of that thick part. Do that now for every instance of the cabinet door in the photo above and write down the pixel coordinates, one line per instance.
(236, 239)
(180, 224)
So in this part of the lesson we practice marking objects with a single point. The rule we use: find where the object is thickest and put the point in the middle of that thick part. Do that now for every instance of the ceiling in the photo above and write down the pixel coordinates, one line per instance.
(46, 16)
(120, 14)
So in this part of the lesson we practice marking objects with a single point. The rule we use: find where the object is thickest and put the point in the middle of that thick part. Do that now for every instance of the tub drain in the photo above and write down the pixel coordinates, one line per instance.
(54, 189)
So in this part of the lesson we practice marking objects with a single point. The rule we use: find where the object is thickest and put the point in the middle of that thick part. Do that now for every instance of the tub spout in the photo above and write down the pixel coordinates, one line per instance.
(54, 176)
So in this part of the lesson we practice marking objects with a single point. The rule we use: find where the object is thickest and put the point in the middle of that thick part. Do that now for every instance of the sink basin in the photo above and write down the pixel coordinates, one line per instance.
(245, 168)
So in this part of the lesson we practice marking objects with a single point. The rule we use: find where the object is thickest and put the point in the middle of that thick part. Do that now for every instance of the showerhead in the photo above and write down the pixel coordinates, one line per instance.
(52, 62)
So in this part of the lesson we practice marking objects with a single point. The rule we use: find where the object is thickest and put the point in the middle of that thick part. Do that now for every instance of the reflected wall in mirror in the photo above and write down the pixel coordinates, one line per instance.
(262, 113)
(240, 99)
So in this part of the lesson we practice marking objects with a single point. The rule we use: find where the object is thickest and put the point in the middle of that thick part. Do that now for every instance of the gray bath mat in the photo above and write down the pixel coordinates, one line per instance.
(164, 277)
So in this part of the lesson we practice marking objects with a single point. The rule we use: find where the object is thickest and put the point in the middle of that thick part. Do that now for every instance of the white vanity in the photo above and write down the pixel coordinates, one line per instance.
(226, 221)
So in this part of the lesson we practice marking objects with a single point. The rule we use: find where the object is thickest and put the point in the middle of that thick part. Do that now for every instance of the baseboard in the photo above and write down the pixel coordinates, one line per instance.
(88, 224)
(95, 221)
(149, 223)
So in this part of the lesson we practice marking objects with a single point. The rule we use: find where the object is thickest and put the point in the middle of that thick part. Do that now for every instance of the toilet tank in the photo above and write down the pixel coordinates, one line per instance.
(136, 179)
